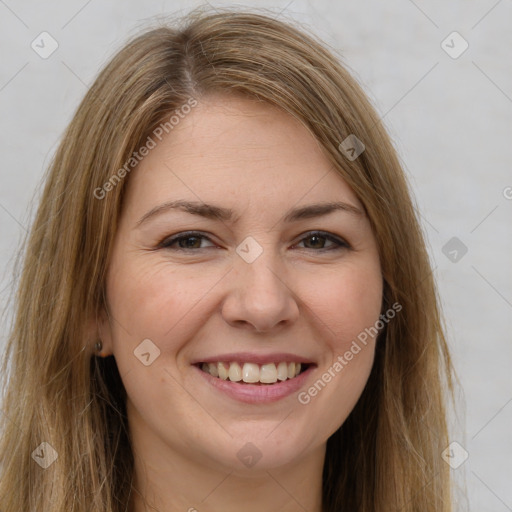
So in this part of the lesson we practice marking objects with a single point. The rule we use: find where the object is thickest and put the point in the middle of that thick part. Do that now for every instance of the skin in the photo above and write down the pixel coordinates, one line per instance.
(259, 161)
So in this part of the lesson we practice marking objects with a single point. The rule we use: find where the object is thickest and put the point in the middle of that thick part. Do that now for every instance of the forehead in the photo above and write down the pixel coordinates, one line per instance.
(238, 150)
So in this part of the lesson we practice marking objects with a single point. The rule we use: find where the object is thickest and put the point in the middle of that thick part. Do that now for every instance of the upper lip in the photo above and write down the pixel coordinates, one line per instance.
(251, 357)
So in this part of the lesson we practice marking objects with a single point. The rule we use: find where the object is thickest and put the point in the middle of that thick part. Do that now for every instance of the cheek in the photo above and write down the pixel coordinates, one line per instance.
(348, 302)
(350, 307)
(150, 300)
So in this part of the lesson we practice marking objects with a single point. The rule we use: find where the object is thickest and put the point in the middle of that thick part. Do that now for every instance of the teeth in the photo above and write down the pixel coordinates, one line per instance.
(222, 370)
(291, 370)
(212, 368)
(252, 373)
(235, 372)
(282, 371)
(268, 373)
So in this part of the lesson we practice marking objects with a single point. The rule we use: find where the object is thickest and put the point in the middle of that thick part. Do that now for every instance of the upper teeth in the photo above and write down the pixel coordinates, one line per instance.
(252, 372)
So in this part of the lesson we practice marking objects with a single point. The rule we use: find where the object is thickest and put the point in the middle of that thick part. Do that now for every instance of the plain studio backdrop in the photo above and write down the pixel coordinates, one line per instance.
(440, 76)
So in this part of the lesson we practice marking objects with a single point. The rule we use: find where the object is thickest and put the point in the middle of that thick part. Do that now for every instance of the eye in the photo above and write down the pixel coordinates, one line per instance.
(185, 241)
(192, 240)
(319, 238)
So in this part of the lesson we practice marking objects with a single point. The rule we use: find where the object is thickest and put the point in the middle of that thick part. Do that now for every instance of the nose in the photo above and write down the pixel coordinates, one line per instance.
(258, 297)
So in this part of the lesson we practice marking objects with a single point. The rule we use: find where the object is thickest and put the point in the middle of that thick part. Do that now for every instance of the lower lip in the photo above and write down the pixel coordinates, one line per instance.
(257, 394)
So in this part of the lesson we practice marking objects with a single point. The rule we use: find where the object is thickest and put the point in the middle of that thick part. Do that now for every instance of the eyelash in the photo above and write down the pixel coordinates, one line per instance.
(168, 242)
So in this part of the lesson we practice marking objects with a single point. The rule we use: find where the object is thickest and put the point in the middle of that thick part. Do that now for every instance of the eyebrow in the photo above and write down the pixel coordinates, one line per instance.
(214, 212)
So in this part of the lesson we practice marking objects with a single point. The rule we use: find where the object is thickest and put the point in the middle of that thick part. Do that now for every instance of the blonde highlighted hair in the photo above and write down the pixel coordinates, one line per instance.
(387, 455)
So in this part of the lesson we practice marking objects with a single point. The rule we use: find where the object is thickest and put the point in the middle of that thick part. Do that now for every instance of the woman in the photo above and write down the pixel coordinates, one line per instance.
(260, 371)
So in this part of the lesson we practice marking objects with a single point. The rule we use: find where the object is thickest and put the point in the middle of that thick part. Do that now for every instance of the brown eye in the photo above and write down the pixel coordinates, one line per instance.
(184, 242)
(192, 241)
(318, 241)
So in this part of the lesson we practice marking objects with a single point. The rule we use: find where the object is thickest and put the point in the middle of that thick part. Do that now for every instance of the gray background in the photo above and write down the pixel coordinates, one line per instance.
(450, 118)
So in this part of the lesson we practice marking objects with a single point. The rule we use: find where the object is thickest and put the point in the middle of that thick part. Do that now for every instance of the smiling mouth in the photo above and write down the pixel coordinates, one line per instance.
(252, 373)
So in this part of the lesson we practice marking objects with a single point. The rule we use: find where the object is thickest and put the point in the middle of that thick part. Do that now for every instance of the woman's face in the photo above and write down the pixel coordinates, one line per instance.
(251, 287)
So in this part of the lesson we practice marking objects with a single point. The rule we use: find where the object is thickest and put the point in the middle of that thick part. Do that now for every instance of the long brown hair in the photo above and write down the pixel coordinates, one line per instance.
(387, 454)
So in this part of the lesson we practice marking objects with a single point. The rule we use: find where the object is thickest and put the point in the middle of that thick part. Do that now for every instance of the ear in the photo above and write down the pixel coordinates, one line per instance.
(99, 329)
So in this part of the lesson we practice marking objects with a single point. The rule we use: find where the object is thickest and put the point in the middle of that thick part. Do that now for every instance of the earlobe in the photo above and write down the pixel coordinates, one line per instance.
(102, 340)
(98, 347)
